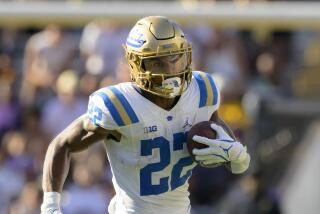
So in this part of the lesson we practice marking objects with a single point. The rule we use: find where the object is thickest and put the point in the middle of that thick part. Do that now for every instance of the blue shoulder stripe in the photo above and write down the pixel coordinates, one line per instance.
(214, 89)
(132, 115)
(202, 87)
(208, 89)
(112, 109)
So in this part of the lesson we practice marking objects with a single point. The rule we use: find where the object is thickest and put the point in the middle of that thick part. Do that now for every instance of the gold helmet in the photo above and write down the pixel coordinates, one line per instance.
(154, 42)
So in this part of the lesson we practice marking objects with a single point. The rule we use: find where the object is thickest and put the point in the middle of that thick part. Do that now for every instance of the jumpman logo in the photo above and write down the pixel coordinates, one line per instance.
(187, 124)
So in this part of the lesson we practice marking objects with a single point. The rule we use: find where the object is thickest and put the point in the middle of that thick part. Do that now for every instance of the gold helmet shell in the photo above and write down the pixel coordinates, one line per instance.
(152, 37)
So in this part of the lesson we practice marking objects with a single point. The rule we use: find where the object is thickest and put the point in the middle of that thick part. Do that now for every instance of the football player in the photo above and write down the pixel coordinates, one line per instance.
(144, 125)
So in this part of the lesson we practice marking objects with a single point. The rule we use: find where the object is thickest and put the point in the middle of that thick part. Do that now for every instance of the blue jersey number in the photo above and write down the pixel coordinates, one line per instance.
(161, 143)
(178, 140)
(95, 113)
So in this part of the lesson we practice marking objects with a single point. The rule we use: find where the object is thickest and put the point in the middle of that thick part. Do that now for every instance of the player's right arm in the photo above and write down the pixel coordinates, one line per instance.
(79, 135)
(97, 124)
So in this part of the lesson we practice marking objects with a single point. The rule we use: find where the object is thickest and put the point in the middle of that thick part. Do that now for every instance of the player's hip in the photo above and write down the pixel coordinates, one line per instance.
(117, 206)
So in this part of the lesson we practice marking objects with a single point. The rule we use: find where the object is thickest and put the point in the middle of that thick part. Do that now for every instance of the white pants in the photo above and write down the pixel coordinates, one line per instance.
(116, 207)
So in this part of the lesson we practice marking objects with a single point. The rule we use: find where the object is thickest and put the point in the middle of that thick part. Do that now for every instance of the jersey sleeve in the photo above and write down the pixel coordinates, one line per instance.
(98, 113)
(209, 95)
(108, 108)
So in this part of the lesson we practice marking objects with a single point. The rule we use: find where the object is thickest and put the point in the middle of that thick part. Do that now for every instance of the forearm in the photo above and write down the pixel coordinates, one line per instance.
(55, 171)
(78, 136)
(56, 166)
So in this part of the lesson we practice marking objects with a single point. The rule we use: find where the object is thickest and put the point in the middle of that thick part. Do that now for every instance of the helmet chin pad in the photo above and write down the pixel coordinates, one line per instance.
(172, 85)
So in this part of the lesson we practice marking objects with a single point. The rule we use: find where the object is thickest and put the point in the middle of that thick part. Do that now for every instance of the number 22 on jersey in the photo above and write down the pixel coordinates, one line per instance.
(175, 179)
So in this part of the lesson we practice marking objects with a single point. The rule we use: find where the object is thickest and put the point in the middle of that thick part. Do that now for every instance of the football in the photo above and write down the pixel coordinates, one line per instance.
(202, 129)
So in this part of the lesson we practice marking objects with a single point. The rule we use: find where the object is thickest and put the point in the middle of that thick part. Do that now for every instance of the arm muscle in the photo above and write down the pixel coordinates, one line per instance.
(76, 137)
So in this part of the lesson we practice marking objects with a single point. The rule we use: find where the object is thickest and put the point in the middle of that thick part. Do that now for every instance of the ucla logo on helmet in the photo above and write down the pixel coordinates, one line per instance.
(135, 38)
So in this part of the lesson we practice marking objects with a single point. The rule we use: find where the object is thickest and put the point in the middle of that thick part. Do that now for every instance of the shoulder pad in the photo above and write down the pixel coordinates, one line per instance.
(209, 93)
(115, 108)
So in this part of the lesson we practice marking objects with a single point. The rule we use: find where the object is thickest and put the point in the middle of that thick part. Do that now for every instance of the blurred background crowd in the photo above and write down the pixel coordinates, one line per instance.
(269, 82)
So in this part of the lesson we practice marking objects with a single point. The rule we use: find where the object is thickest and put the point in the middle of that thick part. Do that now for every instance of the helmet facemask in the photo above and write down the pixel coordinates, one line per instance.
(163, 66)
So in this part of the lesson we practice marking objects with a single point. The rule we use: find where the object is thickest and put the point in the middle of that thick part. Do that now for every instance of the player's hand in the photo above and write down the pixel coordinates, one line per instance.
(223, 149)
(51, 203)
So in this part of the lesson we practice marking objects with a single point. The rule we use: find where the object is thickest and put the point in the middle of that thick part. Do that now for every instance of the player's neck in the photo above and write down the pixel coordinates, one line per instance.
(165, 103)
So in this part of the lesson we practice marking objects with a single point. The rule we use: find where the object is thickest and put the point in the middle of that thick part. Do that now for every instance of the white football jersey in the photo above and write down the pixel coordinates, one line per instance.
(151, 165)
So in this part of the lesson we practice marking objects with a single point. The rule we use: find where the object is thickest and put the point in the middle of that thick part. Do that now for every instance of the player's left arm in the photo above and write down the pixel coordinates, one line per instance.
(226, 149)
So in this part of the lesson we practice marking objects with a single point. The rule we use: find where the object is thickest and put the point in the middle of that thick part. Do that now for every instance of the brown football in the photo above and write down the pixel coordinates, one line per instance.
(202, 129)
